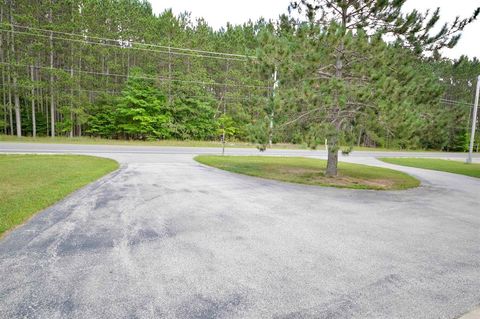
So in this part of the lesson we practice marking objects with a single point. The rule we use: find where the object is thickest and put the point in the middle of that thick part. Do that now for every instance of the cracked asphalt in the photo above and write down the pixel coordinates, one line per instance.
(165, 237)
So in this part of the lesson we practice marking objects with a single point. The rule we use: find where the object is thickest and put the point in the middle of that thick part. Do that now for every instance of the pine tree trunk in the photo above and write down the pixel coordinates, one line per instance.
(71, 93)
(47, 115)
(16, 97)
(79, 124)
(10, 114)
(4, 95)
(72, 124)
(359, 140)
(34, 121)
(332, 161)
(4, 85)
(71, 102)
(8, 80)
(52, 99)
(18, 120)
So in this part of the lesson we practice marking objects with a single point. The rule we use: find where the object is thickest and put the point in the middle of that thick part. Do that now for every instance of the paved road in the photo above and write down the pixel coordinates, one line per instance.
(120, 149)
(165, 237)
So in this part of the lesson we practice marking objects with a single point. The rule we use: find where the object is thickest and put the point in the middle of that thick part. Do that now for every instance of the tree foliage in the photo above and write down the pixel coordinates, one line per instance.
(340, 77)
(359, 72)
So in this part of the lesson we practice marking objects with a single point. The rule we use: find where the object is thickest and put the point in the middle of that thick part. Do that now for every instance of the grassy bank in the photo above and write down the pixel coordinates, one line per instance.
(311, 171)
(102, 141)
(455, 167)
(181, 143)
(29, 183)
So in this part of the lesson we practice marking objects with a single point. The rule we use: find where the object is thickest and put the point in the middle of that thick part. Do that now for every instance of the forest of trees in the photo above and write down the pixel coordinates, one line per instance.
(114, 69)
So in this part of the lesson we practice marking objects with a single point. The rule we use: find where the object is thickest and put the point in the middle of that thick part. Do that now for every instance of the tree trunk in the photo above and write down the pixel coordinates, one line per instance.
(79, 124)
(71, 94)
(71, 103)
(10, 114)
(4, 85)
(34, 121)
(18, 120)
(4, 95)
(8, 79)
(52, 100)
(332, 161)
(16, 97)
(72, 124)
(47, 115)
(359, 140)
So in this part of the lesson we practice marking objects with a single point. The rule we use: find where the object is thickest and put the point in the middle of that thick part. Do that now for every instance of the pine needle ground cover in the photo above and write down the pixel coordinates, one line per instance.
(311, 172)
(30, 183)
(449, 166)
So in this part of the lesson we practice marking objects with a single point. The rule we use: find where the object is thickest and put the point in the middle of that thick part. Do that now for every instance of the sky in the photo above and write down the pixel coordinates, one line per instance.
(218, 12)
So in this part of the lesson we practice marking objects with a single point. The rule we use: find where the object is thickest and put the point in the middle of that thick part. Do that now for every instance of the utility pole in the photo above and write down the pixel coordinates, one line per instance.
(223, 125)
(272, 114)
(224, 109)
(474, 122)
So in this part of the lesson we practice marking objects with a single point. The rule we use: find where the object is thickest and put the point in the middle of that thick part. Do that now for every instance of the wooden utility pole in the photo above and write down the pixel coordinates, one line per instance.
(474, 121)
(272, 114)
(224, 109)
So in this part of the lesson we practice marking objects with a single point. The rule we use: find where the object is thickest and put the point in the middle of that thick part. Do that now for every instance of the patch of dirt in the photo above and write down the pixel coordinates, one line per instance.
(314, 176)
(300, 170)
(347, 181)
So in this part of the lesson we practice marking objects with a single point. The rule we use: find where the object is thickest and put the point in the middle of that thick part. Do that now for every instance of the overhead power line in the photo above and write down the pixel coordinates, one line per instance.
(120, 46)
(138, 77)
(132, 42)
(456, 102)
(126, 47)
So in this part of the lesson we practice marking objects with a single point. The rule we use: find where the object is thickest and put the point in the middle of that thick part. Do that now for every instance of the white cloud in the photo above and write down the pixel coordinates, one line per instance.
(218, 12)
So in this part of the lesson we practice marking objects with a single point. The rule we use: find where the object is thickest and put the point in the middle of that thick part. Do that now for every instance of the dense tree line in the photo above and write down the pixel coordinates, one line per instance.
(114, 69)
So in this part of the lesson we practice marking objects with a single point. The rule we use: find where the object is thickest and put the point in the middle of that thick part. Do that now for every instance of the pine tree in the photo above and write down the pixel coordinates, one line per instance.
(328, 56)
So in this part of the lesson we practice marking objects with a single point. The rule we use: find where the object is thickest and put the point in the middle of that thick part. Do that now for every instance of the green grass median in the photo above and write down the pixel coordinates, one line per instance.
(456, 167)
(311, 172)
(30, 183)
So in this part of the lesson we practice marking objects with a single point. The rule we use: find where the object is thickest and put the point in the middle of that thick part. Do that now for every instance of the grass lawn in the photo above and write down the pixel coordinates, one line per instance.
(311, 171)
(456, 167)
(103, 141)
(30, 183)
(184, 143)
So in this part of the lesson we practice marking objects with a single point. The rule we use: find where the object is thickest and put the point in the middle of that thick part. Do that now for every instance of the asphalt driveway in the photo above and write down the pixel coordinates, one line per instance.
(165, 237)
